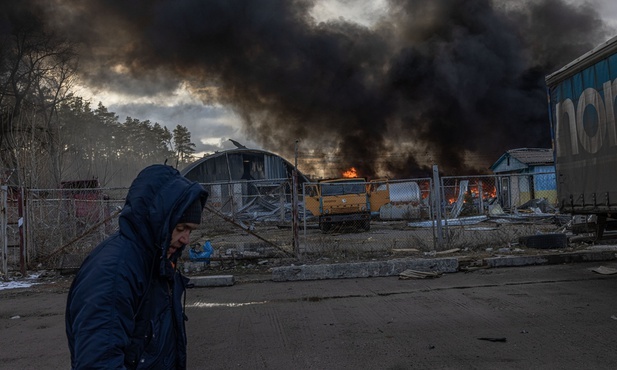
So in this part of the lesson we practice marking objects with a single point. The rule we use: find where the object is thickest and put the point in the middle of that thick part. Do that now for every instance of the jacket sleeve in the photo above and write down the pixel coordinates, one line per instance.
(101, 308)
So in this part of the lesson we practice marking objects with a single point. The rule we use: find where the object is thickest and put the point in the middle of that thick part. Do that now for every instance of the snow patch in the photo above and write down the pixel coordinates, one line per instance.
(22, 283)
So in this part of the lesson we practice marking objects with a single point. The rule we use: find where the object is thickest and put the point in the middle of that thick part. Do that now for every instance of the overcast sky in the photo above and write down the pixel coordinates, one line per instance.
(212, 124)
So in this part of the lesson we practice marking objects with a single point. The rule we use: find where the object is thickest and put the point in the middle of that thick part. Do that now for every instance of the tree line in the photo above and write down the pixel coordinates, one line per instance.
(49, 135)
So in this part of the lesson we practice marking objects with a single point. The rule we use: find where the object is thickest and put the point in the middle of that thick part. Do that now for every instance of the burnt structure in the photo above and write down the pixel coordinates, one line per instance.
(247, 184)
(240, 164)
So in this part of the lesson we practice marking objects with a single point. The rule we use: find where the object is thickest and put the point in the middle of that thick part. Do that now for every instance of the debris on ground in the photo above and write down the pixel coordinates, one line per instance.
(603, 270)
(454, 250)
(414, 274)
(493, 339)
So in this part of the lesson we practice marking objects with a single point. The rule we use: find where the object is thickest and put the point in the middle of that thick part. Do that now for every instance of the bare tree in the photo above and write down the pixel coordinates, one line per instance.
(36, 68)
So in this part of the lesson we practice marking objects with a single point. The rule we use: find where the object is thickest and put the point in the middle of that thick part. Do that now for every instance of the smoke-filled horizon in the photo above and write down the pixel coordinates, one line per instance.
(451, 82)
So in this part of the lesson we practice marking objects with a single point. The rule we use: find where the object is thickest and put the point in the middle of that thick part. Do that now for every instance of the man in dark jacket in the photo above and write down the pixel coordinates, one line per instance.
(124, 308)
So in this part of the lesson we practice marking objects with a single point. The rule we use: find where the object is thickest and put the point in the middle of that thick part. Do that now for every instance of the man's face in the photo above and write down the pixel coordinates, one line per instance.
(180, 237)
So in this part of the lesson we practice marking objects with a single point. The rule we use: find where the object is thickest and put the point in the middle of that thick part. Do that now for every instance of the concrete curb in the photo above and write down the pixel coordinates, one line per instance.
(550, 259)
(212, 281)
(395, 267)
(363, 269)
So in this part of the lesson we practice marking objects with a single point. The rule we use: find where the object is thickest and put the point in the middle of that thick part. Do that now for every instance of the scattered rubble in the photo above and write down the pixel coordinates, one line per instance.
(414, 274)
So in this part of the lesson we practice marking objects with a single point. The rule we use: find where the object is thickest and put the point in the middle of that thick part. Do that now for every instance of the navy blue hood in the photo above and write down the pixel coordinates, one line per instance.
(156, 200)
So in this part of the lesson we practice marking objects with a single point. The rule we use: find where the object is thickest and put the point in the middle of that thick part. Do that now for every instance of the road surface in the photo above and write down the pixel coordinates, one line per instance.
(535, 317)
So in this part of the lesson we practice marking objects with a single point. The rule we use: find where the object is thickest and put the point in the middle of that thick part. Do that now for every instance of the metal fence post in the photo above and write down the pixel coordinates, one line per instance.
(480, 197)
(3, 228)
(304, 238)
(438, 214)
(21, 224)
(294, 209)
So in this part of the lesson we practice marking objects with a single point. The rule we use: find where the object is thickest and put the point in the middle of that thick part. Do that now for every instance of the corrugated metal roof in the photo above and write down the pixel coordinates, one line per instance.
(229, 165)
(532, 156)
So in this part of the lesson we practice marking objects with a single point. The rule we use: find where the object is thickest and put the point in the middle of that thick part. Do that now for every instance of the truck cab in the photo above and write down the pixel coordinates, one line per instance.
(345, 201)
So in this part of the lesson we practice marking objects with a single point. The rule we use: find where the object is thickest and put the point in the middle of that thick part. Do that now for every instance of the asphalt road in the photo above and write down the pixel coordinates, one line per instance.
(535, 317)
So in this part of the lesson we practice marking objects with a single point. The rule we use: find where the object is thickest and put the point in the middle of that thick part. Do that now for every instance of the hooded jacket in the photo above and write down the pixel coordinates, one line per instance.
(124, 308)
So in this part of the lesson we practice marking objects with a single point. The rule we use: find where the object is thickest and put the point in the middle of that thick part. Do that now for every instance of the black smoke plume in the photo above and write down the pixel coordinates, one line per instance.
(448, 82)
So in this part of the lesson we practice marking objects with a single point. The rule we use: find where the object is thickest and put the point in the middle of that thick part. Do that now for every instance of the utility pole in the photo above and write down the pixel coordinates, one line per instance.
(294, 205)
(437, 205)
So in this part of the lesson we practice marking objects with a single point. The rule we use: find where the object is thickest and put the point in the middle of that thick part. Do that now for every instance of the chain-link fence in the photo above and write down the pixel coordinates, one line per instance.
(494, 211)
(468, 213)
(9, 228)
(253, 221)
(247, 221)
(66, 224)
(243, 221)
(367, 221)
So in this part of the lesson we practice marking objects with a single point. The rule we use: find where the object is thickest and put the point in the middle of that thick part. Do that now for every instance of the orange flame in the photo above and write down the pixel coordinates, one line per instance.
(426, 189)
(350, 173)
(488, 191)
